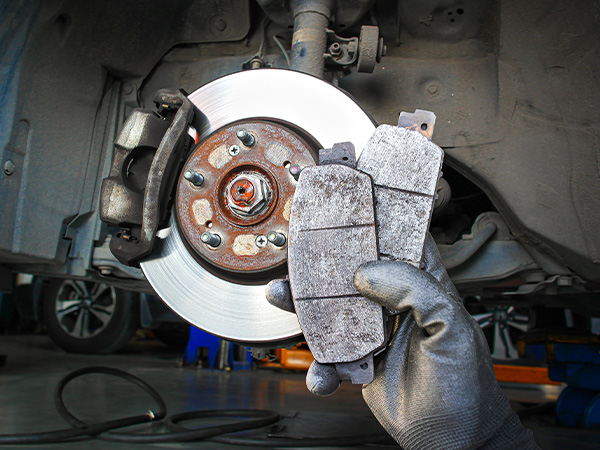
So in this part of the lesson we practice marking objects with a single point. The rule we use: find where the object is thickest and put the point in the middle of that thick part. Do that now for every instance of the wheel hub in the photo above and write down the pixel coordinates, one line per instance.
(245, 195)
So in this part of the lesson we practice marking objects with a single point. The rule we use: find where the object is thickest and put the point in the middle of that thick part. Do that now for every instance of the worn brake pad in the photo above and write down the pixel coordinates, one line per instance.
(342, 217)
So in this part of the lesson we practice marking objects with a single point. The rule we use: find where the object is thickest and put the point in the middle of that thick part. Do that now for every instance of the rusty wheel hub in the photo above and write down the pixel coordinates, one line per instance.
(246, 195)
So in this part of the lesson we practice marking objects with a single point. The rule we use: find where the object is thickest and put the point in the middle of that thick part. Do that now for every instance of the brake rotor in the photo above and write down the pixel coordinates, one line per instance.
(207, 263)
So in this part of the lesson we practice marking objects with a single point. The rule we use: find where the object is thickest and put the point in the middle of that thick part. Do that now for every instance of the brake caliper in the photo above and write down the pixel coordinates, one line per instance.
(148, 153)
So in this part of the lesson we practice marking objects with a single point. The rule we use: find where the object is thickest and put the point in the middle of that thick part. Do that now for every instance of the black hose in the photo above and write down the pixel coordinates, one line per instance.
(329, 441)
(80, 429)
(253, 419)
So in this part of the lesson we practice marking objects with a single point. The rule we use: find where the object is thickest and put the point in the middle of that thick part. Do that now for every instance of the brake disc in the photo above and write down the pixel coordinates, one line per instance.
(290, 114)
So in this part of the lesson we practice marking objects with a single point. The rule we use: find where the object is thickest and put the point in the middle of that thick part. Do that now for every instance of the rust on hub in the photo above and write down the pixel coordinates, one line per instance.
(244, 195)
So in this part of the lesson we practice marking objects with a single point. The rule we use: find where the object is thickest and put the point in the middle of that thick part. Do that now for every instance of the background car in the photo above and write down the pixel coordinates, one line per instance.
(89, 317)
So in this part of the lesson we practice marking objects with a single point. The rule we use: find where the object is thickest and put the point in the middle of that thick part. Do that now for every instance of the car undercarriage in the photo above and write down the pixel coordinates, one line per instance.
(513, 87)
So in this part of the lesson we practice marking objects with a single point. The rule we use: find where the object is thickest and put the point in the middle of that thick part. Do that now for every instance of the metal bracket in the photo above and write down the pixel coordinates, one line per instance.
(342, 154)
(340, 51)
(421, 121)
(361, 371)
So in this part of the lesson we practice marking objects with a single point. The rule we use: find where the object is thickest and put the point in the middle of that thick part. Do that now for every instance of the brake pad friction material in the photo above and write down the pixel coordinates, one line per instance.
(332, 231)
(405, 167)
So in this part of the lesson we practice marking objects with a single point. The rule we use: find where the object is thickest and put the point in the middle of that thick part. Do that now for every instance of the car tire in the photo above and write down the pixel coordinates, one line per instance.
(89, 317)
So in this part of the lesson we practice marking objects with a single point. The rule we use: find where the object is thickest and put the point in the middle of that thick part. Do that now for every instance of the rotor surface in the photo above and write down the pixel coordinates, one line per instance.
(305, 105)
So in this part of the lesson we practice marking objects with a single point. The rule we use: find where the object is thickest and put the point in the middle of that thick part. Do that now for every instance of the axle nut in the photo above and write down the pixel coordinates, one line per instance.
(247, 194)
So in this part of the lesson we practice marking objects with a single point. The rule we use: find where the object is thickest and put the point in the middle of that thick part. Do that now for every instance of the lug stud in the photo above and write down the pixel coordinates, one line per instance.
(295, 170)
(276, 238)
(194, 177)
(246, 137)
(211, 239)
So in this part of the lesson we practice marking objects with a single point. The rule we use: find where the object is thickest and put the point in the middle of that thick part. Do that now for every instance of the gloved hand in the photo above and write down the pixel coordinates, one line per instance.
(434, 385)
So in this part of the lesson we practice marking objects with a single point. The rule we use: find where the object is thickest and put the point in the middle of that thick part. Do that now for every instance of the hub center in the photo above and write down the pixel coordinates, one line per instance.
(237, 217)
(248, 194)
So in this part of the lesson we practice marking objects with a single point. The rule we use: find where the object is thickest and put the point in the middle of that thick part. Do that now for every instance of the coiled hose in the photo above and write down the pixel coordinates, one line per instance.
(253, 419)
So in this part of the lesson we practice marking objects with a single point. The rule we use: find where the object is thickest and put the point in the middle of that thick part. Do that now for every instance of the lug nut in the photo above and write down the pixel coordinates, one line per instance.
(246, 138)
(211, 239)
(295, 170)
(234, 150)
(276, 238)
(261, 241)
(194, 177)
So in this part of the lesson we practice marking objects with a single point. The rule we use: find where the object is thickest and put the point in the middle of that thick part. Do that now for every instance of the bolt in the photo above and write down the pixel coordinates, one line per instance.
(247, 194)
(276, 238)
(246, 138)
(242, 192)
(261, 241)
(256, 63)
(295, 170)
(335, 49)
(220, 24)
(211, 239)
(234, 150)
(194, 177)
(9, 167)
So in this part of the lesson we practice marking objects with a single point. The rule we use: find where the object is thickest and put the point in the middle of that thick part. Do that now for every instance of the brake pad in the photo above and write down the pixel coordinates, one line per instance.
(343, 216)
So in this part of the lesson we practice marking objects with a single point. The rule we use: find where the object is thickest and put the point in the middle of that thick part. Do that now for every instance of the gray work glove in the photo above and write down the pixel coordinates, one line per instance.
(434, 386)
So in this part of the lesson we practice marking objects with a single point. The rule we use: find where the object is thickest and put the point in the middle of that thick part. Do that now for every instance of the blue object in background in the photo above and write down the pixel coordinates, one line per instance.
(238, 358)
(575, 364)
(201, 339)
(578, 365)
(578, 407)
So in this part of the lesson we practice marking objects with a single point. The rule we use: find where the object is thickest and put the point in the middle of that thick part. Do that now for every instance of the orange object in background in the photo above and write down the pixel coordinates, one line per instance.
(300, 358)
(296, 358)
(523, 374)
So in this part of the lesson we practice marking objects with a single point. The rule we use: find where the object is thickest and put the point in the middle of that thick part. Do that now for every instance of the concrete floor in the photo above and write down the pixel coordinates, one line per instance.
(34, 365)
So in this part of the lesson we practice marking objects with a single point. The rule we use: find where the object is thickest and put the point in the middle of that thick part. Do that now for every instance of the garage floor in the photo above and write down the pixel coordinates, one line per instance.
(34, 365)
